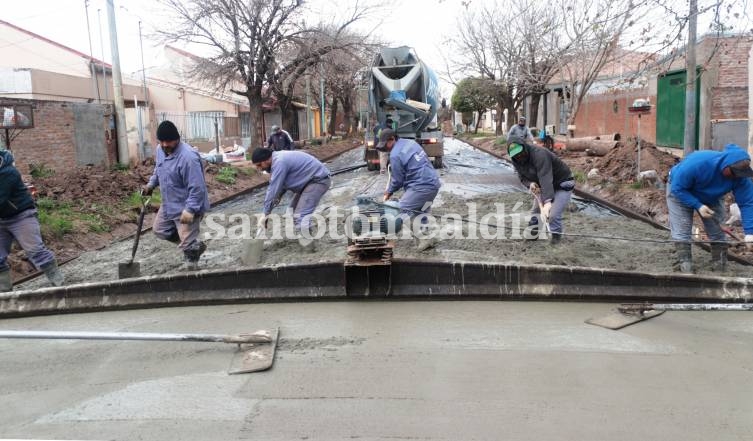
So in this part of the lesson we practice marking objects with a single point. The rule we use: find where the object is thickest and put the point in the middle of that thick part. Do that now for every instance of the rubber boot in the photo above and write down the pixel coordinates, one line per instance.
(684, 258)
(431, 241)
(174, 238)
(534, 222)
(718, 257)
(192, 256)
(5, 282)
(53, 274)
(555, 238)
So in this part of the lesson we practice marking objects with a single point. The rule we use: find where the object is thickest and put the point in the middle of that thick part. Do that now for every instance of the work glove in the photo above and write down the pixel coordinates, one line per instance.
(186, 217)
(262, 222)
(147, 190)
(545, 210)
(749, 241)
(534, 187)
(705, 212)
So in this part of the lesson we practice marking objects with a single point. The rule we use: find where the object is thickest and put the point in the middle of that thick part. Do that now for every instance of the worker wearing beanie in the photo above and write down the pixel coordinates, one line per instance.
(179, 174)
(298, 172)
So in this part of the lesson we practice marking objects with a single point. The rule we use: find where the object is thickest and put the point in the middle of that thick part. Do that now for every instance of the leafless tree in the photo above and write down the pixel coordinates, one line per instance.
(256, 47)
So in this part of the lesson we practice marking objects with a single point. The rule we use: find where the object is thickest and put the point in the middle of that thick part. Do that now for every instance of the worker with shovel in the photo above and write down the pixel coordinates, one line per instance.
(411, 170)
(19, 221)
(180, 177)
(699, 183)
(299, 173)
(549, 179)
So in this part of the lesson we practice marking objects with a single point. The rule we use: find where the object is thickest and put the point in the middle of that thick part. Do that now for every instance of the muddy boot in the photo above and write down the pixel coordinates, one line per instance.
(192, 256)
(718, 257)
(5, 282)
(174, 238)
(534, 222)
(555, 238)
(683, 258)
(53, 274)
(430, 239)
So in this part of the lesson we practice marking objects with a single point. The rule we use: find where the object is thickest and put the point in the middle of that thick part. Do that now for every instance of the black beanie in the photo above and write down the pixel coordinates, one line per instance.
(260, 154)
(167, 131)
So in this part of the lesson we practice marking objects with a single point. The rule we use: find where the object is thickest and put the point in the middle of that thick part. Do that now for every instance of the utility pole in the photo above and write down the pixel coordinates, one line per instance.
(92, 69)
(309, 129)
(143, 69)
(689, 140)
(102, 45)
(125, 156)
(321, 88)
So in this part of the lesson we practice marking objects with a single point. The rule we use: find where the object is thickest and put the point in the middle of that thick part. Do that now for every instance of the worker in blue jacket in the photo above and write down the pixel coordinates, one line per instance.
(19, 221)
(698, 184)
(411, 170)
(300, 173)
(179, 175)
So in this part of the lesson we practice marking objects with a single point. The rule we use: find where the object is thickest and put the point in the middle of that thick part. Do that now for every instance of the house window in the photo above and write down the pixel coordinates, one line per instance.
(200, 125)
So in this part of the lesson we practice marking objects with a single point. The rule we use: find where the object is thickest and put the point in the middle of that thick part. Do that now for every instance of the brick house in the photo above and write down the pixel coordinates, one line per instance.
(722, 96)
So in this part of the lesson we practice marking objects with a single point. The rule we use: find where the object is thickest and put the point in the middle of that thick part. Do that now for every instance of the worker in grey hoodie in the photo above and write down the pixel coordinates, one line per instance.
(19, 221)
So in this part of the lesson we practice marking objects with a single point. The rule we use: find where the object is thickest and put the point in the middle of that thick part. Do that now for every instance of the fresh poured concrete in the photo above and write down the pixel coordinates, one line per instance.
(385, 371)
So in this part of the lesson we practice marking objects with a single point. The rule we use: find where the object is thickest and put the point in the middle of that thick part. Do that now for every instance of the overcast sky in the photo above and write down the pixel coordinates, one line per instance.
(422, 24)
(64, 21)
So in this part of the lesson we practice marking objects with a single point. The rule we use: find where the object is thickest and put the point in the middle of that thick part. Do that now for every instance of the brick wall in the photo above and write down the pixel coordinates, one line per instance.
(607, 113)
(730, 94)
(52, 140)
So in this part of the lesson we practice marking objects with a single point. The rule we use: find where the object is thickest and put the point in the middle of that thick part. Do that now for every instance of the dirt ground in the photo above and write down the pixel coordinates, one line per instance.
(595, 237)
(104, 193)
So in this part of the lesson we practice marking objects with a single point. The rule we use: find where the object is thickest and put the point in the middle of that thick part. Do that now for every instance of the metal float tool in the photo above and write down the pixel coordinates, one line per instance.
(630, 313)
(130, 269)
(256, 351)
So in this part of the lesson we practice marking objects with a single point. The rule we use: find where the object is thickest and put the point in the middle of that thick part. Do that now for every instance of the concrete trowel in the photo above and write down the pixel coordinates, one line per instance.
(127, 270)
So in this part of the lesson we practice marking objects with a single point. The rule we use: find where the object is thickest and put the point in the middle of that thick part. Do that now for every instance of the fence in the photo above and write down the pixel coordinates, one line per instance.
(200, 126)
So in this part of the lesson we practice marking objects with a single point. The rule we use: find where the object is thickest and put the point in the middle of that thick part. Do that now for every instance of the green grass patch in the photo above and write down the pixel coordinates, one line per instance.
(227, 175)
(40, 171)
(55, 218)
(120, 167)
(502, 140)
(579, 176)
(133, 201)
(637, 185)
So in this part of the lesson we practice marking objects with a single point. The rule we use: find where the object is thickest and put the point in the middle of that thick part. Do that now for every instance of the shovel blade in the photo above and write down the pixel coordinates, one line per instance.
(619, 320)
(128, 270)
(255, 357)
(252, 252)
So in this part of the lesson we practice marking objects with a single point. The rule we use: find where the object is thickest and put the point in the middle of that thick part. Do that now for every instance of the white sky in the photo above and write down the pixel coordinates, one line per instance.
(422, 24)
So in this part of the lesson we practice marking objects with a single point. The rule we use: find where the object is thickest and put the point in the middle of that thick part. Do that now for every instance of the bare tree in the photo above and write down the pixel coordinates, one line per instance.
(256, 47)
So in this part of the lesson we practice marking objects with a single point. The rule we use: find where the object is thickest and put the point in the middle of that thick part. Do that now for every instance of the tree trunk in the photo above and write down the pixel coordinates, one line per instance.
(533, 111)
(498, 131)
(350, 118)
(256, 118)
(478, 121)
(333, 117)
(288, 115)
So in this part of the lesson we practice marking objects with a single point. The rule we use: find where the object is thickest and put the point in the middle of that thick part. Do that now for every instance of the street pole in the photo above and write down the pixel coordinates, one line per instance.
(143, 69)
(102, 45)
(639, 147)
(689, 139)
(309, 129)
(125, 155)
(92, 68)
(321, 88)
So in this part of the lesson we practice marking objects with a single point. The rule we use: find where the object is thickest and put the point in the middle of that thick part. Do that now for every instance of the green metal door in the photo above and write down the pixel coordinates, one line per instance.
(670, 109)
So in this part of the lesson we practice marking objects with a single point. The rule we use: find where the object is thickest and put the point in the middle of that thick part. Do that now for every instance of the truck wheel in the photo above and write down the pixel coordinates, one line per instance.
(437, 162)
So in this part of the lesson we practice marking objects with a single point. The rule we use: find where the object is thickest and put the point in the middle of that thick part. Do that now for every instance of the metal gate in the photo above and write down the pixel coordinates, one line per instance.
(670, 109)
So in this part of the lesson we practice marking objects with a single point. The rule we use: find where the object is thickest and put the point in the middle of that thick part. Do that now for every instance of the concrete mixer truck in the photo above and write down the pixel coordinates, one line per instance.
(404, 91)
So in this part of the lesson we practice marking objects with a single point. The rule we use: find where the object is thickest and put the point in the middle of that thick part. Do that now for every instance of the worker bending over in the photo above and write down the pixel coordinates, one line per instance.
(699, 183)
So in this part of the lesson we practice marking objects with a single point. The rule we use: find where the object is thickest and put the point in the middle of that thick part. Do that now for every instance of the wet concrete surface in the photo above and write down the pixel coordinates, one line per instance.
(385, 371)
(469, 176)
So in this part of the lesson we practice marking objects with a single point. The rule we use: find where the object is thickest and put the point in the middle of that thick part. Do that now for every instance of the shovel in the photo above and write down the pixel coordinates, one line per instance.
(130, 269)
(252, 253)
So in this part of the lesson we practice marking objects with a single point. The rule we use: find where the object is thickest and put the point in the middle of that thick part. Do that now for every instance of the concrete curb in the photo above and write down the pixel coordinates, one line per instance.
(409, 279)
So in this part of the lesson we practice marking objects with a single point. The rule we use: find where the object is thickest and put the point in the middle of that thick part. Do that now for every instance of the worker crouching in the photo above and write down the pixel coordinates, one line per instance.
(410, 169)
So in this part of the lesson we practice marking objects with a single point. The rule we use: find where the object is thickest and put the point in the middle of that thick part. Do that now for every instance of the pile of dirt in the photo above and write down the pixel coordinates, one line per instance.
(621, 162)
